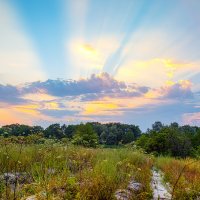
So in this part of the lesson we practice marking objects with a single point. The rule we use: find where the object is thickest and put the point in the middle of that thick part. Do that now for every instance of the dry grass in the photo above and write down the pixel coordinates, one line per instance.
(64, 171)
(183, 175)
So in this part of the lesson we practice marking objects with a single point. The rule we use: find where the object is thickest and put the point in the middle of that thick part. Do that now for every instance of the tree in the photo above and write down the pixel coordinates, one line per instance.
(128, 137)
(85, 136)
(111, 139)
(157, 126)
(168, 141)
(103, 137)
(37, 129)
(69, 130)
(54, 131)
(174, 125)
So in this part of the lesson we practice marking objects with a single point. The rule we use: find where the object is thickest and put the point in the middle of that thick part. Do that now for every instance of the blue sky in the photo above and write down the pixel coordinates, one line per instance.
(68, 61)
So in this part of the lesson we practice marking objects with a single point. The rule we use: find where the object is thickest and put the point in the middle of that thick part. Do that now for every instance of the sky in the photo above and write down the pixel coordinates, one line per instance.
(72, 61)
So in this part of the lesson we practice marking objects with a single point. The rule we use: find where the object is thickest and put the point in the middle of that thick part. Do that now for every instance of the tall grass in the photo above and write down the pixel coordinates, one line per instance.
(64, 171)
(183, 175)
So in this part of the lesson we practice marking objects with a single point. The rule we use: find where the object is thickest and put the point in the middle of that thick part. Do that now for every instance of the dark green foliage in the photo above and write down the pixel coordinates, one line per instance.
(115, 133)
(69, 130)
(20, 130)
(85, 136)
(108, 134)
(157, 126)
(54, 131)
(111, 139)
(173, 140)
(128, 137)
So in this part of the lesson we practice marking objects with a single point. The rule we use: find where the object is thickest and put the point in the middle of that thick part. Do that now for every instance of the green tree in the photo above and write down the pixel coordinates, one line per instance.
(128, 137)
(54, 131)
(157, 126)
(85, 136)
(111, 139)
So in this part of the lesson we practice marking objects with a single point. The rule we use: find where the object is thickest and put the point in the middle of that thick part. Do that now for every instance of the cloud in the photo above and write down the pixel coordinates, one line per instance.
(95, 86)
(10, 94)
(192, 118)
(89, 56)
(98, 97)
(180, 90)
(155, 72)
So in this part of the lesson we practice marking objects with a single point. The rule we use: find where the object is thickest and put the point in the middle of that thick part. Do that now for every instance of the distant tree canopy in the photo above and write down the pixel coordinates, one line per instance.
(54, 131)
(85, 135)
(109, 134)
(174, 140)
(20, 130)
(116, 133)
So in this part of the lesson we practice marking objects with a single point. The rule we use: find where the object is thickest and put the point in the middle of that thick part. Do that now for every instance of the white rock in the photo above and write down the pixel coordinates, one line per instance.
(122, 194)
(134, 186)
(33, 197)
(159, 189)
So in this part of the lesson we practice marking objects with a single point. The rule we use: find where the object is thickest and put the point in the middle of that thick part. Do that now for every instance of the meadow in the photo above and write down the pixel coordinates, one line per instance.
(61, 170)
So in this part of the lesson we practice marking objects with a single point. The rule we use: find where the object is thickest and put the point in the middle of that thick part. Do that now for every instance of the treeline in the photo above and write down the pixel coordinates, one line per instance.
(108, 134)
(173, 139)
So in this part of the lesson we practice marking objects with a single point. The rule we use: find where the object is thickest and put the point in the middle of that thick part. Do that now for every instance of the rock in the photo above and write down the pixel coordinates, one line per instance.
(159, 189)
(51, 171)
(33, 197)
(126, 194)
(123, 194)
(135, 186)
(20, 177)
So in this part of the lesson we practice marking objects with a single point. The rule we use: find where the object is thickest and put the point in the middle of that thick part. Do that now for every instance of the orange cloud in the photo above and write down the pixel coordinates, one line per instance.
(30, 110)
(112, 106)
(155, 72)
(99, 108)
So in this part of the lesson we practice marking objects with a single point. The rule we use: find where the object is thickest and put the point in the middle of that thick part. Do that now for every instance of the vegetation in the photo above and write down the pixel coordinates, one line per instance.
(183, 175)
(172, 140)
(63, 171)
(108, 134)
(71, 162)
(85, 136)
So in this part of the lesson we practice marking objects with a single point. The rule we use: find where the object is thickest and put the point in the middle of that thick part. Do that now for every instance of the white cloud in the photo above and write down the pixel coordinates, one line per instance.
(89, 56)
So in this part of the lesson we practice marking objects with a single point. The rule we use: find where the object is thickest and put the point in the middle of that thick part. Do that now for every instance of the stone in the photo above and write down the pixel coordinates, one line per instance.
(159, 189)
(20, 177)
(123, 194)
(33, 197)
(135, 186)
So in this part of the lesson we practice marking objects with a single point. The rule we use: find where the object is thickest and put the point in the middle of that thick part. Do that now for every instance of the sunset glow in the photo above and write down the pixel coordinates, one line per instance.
(130, 61)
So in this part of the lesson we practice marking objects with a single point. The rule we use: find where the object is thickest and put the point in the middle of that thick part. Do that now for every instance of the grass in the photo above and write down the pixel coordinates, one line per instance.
(64, 171)
(56, 170)
(183, 175)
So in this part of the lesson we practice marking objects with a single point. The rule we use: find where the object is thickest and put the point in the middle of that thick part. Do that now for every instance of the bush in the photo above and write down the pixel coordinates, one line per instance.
(85, 136)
